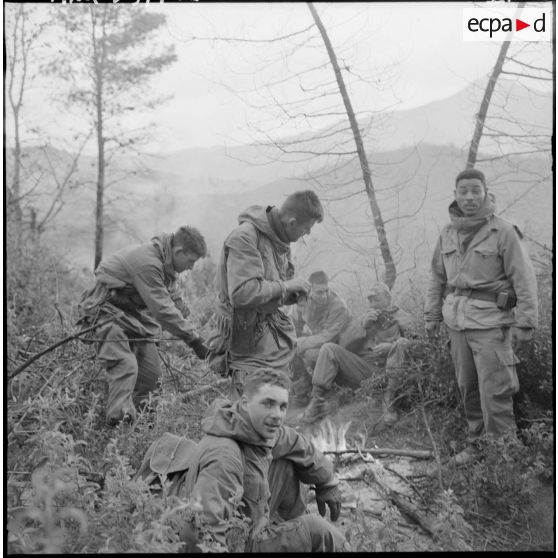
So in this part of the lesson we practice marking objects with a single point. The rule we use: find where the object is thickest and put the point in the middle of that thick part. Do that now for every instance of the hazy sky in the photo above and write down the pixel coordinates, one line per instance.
(401, 55)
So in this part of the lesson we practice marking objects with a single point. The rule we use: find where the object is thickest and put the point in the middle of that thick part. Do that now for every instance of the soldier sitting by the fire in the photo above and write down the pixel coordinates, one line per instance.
(318, 320)
(369, 349)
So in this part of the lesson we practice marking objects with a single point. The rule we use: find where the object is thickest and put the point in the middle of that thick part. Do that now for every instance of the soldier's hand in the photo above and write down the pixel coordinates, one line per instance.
(298, 286)
(372, 314)
(199, 347)
(432, 329)
(521, 337)
(301, 345)
(332, 497)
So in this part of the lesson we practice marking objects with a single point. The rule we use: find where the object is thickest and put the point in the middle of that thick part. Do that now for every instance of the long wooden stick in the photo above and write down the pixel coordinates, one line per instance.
(419, 454)
(410, 511)
(21, 368)
(406, 508)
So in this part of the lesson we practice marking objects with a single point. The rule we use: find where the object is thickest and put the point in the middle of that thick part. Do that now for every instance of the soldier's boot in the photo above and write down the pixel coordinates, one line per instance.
(389, 412)
(319, 405)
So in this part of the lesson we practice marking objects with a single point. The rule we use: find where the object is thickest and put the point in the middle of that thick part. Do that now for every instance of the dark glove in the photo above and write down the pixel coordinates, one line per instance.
(332, 497)
(199, 347)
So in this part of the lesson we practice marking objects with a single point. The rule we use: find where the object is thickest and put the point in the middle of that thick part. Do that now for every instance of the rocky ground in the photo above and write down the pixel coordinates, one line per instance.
(386, 507)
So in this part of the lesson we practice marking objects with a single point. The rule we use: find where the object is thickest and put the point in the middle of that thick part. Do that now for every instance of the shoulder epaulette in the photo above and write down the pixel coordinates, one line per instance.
(517, 229)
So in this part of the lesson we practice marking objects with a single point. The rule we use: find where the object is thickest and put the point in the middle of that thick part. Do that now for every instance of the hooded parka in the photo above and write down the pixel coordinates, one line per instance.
(233, 466)
(255, 262)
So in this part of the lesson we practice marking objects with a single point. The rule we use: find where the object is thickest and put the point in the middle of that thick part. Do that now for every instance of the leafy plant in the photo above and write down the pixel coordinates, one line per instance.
(502, 482)
(450, 526)
(47, 526)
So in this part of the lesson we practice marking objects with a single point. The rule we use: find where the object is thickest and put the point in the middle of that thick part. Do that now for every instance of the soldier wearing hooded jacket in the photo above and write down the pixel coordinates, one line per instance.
(484, 288)
(248, 459)
(137, 286)
(255, 277)
(367, 348)
(321, 318)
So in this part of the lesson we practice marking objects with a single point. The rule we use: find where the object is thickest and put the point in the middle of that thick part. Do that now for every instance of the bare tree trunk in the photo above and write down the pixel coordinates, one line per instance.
(390, 271)
(18, 55)
(99, 206)
(98, 53)
(485, 103)
(16, 185)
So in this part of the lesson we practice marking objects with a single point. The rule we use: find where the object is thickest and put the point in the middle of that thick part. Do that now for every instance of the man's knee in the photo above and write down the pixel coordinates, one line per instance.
(310, 357)
(120, 366)
(329, 350)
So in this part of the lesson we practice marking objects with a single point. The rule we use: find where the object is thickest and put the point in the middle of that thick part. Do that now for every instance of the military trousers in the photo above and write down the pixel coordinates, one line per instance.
(484, 364)
(336, 365)
(291, 528)
(133, 369)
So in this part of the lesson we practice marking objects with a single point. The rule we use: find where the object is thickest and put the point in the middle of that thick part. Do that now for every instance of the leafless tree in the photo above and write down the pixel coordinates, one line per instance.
(115, 53)
(290, 95)
(390, 271)
(20, 42)
(505, 132)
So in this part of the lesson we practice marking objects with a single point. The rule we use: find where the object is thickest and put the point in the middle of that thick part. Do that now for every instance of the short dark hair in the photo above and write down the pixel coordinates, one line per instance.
(471, 173)
(190, 240)
(254, 380)
(303, 205)
(318, 277)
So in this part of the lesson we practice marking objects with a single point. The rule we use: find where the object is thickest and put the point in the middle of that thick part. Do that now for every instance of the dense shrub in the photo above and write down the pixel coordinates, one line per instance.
(69, 476)
(536, 369)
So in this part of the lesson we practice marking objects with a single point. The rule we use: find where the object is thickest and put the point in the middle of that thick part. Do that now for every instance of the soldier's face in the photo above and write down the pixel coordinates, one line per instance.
(295, 230)
(182, 260)
(319, 293)
(469, 195)
(379, 301)
(267, 409)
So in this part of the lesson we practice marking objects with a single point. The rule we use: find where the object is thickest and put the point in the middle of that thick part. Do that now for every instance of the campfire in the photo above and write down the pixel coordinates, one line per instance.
(330, 437)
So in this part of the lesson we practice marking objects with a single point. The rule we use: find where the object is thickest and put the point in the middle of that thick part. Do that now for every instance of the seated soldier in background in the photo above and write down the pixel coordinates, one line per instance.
(319, 319)
(138, 287)
(247, 458)
(372, 348)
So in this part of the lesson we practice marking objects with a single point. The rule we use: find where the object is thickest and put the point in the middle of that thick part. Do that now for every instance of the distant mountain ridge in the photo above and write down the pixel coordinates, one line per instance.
(208, 188)
(449, 121)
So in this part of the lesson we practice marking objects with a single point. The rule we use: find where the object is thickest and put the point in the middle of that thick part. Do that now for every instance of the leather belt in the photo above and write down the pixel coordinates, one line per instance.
(475, 293)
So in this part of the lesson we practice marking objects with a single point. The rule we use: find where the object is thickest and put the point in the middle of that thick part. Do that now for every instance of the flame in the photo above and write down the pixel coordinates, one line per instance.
(330, 437)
